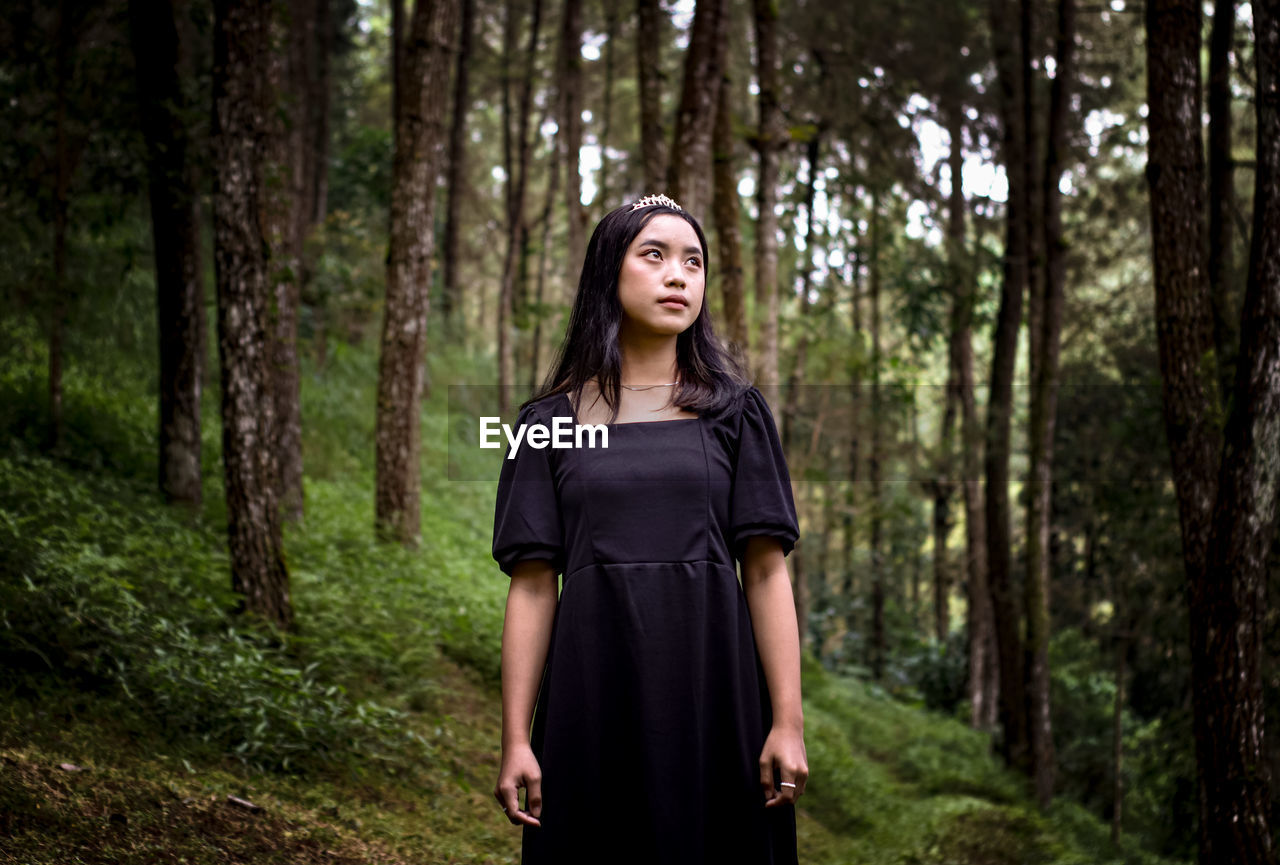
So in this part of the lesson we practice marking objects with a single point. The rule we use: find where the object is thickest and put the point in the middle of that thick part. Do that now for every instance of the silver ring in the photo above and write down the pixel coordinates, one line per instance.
(786, 784)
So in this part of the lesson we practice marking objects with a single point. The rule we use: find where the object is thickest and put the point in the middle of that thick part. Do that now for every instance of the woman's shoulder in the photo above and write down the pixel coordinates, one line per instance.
(748, 399)
(726, 420)
(542, 409)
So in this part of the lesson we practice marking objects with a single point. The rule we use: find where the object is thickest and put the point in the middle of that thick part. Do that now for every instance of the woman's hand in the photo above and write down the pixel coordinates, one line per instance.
(784, 749)
(520, 769)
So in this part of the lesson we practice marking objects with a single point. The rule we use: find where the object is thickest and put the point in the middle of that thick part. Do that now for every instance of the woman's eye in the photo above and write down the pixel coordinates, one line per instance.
(653, 252)
(696, 262)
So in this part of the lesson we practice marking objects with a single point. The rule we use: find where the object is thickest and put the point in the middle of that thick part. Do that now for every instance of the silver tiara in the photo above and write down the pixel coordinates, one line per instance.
(656, 200)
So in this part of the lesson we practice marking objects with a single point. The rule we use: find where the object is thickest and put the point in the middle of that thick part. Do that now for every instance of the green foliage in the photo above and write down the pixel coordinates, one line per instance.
(938, 672)
(909, 786)
(1159, 757)
(107, 590)
(111, 592)
(106, 427)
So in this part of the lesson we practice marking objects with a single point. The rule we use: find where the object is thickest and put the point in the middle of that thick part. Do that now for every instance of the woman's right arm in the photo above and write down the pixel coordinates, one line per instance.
(526, 636)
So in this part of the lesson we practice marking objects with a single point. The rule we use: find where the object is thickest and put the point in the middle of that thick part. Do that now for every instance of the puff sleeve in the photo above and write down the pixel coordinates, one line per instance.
(761, 502)
(526, 517)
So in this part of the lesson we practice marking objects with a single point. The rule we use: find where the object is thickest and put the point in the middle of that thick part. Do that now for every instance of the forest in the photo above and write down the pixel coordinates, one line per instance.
(1006, 271)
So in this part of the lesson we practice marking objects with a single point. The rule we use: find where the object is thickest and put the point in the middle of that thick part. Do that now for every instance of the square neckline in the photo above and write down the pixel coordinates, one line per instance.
(574, 415)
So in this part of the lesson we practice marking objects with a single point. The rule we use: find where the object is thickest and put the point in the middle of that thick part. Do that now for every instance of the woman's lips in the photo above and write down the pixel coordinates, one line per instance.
(674, 302)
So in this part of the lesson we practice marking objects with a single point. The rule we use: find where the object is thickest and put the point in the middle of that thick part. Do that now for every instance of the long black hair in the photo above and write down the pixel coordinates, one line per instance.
(710, 377)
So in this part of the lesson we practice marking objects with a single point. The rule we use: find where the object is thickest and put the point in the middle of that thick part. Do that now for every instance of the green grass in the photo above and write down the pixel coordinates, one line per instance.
(372, 734)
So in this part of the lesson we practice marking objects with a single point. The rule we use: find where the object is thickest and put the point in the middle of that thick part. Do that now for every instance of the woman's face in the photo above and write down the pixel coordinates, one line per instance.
(662, 279)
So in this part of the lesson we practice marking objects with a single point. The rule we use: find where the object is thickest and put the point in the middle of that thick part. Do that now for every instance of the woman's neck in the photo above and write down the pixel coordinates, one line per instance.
(650, 362)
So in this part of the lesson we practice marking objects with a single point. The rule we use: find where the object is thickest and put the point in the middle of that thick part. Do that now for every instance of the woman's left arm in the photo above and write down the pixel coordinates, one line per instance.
(773, 615)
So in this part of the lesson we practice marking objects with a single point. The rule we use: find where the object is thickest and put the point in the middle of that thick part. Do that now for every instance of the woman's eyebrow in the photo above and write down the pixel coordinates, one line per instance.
(688, 250)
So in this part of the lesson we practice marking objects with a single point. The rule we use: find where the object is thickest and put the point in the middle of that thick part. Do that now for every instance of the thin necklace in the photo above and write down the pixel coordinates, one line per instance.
(648, 386)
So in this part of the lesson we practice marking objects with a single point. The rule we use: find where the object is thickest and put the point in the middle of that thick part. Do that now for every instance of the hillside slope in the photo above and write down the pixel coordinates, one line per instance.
(372, 735)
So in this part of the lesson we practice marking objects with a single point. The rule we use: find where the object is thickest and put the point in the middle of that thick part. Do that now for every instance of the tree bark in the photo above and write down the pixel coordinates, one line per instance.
(805, 267)
(66, 156)
(942, 488)
(175, 230)
(983, 685)
(1231, 592)
(943, 485)
(801, 588)
(241, 43)
(606, 114)
(1044, 406)
(419, 148)
(318, 183)
(1175, 174)
(1000, 402)
(1117, 723)
(649, 40)
(571, 124)
(769, 142)
(1220, 541)
(284, 212)
(451, 299)
(548, 207)
(849, 588)
(1221, 192)
(874, 464)
(517, 159)
(689, 170)
(728, 231)
(323, 47)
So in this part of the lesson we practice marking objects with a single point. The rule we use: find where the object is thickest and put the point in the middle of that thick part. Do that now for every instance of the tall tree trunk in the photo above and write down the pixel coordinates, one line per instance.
(284, 212)
(571, 124)
(830, 563)
(649, 40)
(804, 265)
(451, 299)
(1221, 546)
(689, 170)
(419, 148)
(849, 587)
(506, 289)
(548, 207)
(319, 98)
(1044, 407)
(175, 229)
(769, 143)
(241, 43)
(797, 371)
(318, 186)
(1121, 647)
(517, 159)
(942, 488)
(874, 464)
(728, 231)
(397, 59)
(606, 114)
(913, 471)
(984, 677)
(1000, 403)
(1221, 192)
(1232, 590)
(65, 159)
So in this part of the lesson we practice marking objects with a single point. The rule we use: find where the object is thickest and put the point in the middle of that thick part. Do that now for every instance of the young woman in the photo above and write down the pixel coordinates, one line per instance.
(668, 725)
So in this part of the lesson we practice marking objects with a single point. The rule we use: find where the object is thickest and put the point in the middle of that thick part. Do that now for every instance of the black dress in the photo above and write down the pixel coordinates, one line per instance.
(653, 706)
